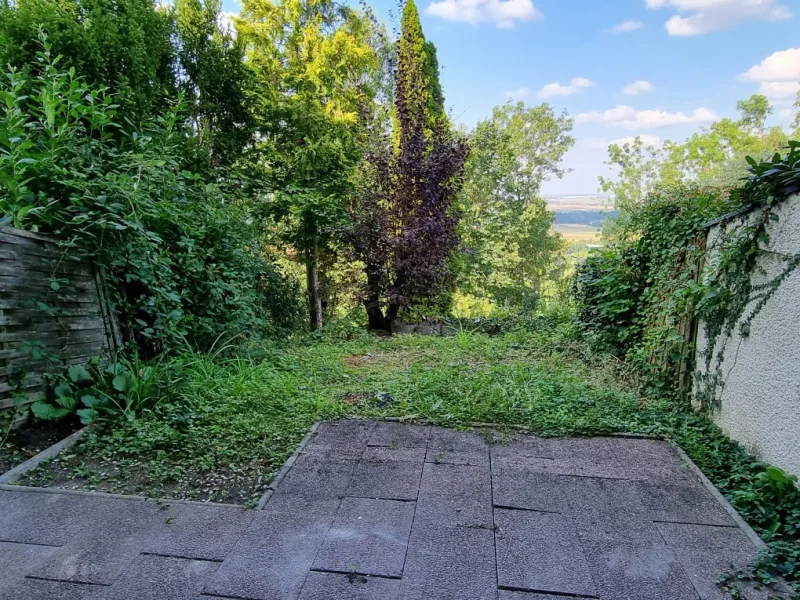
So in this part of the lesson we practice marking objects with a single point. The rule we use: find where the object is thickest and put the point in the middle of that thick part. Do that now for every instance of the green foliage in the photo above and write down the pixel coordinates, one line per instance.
(120, 390)
(122, 45)
(505, 225)
(179, 251)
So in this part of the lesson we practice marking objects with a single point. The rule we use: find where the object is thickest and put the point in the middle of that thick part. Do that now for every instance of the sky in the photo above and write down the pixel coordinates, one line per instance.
(661, 69)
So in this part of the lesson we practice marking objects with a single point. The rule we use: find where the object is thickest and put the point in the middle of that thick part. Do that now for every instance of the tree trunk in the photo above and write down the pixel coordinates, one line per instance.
(312, 280)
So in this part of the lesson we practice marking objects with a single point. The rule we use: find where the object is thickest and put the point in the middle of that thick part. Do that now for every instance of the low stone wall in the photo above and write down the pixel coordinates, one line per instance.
(759, 398)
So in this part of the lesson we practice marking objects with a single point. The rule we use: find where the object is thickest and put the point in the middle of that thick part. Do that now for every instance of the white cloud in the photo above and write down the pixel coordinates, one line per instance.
(518, 95)
(626, 26)
(626, 117)
(778, 75)
(503, 13)
(603, 143)
(638, 87)
(712, 15)
(577, 85)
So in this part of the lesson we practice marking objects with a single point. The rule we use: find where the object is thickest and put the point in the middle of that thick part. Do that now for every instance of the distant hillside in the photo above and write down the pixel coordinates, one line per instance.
(595, 218)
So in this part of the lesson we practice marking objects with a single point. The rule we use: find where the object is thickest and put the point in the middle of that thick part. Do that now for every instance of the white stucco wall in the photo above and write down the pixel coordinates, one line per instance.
(760, 396)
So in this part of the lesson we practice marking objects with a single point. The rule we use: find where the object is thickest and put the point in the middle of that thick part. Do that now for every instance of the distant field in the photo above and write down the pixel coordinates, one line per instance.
(577, 203)
(578, 233)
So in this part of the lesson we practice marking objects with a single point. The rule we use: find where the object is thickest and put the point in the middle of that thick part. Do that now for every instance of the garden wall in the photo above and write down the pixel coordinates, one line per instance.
(759, 401)
(53, 313)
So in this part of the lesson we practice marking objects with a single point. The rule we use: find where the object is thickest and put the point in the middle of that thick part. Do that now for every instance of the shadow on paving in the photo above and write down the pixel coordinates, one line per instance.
(389, 511)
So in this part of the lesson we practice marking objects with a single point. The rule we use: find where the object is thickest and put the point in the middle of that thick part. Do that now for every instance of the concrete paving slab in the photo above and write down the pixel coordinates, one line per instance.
(272, 559)
(540, 552)
(607, 510)
(399, 435)
(158, 578)
(313, 485)
(341, 436)
(584, 457)
(515, 486)
(453, 495)
(707, 551)
(646, 570)
(450, 563)
(681, 504)
(40, 589)
(110, 538)
(199, 532)
(368, 537)
(44, 518)
(336, 586)
(450, 440)
(17, 561)
(474, 458)
(518, 448)
(380, 476)
(651, 460)
(514, 595)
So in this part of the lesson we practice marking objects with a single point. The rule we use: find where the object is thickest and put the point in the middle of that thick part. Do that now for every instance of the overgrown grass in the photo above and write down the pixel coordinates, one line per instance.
(234, 421)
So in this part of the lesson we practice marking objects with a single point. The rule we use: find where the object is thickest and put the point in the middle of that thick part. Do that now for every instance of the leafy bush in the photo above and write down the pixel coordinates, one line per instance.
(178, 248)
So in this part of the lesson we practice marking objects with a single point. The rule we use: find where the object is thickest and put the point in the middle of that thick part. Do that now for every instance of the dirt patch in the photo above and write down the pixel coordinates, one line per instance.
(27, 442)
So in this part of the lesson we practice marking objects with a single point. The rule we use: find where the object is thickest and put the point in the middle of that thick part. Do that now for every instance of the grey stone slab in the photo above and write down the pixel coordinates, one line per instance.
(107, 542)
(17, 561)
(199, 532)
(706, 552)
(368, 537)
(450, 440)
(517, 487)
(606, 509)
(158, 578)
(40, 589)
(651, 460)
(682, 504)
(458, 457)
(273, 557)
(345, 437)
(43, 518)
(335, 586)
(450, 563)
(313, 485)
(583, 457)
(540, 552)
(452, 495)
(388, 474)
(521, 448)
(644, 570)
(515, 595)
(399, 435)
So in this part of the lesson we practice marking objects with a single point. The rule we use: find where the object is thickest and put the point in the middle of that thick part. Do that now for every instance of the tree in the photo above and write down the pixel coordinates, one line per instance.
(715, 156)
(124, 45)
(314, 69)
(506, 227)
(796, 122)
(215, 79)
(405, 218)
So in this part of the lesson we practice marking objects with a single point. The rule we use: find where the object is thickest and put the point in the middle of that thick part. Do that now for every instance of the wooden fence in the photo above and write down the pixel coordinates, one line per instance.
(53, 313)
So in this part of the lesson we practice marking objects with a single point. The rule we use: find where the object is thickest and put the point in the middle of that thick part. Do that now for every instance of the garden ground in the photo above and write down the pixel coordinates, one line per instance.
(225, 430)
(384, 510)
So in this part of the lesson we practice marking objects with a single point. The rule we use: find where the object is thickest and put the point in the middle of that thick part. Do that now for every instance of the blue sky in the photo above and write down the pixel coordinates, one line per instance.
(692, 59)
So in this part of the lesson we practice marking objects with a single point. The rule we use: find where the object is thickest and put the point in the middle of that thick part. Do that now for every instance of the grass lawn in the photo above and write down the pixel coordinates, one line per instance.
(231, 422)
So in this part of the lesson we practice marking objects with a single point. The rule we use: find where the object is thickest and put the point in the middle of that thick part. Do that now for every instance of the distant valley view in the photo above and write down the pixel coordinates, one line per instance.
(580, 218)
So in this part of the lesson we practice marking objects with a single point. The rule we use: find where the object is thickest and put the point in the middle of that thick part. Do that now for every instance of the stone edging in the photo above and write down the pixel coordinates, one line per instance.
(287, 465)
(17, 472)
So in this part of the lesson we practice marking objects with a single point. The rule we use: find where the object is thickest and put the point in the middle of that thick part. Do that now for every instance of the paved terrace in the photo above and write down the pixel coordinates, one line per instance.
(388, 511)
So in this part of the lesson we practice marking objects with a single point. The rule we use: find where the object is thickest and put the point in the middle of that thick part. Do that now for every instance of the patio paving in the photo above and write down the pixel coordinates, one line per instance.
(389, 511)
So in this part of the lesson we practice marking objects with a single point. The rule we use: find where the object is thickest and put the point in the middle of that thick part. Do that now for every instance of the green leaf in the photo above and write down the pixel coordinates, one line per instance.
(63, 390)
(122, 382)
(54, 285)
(79, 373)
(48, 412)
(90, 401)
(88, 415)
